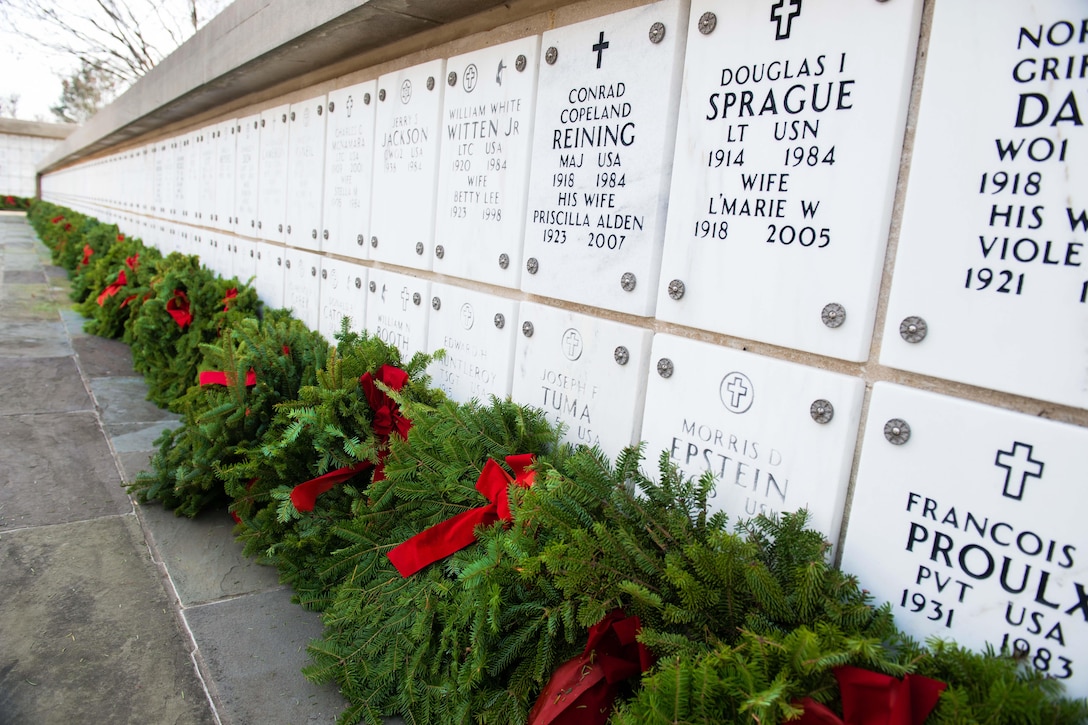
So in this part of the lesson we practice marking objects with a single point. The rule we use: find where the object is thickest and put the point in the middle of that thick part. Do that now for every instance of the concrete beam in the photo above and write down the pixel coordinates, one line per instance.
(15, 127)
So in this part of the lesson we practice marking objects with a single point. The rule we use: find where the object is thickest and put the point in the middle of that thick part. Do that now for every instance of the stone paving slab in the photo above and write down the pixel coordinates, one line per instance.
(134, 437)
(87, 631)
(24, 276)
(46, 385)
(134, 462)
(56, 468)
(254, 648)
(21, 338)
(31, 301)
(205, 562)
(101, 357)
(124, 400)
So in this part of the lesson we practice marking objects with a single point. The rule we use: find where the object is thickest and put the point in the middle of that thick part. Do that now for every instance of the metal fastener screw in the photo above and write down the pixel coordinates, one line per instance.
(366, 99)
(520, 63)
(551, 55)
(313, 234)
(417, 298)
(439, 251)
(436, 303)
(897, 431)
(657, 32)
(833, 314)
(358, 282)
(419, 247)
(279, 228)
(500, 320)
(913, 329)
(430, 83)
(676, 289)
(532, 265)
(707, 22)
(373, 287)
(527, 329)
(288, 264)
(325, 234)
(319, 109)
(627, 281)
(283, 118)
(332, 106)
(452, 78)
(374, 241)
(381, 94)
(621, 355)
(821, 411)
(504, 260)
(324, 274)
(665, 368)
(292, 116)
(359, 239)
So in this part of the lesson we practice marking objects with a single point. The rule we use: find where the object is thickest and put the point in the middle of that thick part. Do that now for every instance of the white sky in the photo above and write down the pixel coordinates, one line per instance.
(34, 72)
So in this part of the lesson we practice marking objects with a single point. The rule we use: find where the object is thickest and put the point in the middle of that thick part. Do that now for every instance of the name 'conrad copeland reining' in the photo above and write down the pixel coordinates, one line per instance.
(601, 135)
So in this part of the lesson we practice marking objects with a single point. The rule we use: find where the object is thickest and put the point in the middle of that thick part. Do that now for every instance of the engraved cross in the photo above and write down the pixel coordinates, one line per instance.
(1019, 466)
(737, 390)
(600, 47)
(780, 17)
(404, 297)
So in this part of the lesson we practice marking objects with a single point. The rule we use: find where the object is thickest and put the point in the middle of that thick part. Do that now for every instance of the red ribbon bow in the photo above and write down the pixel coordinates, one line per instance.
(387, 418)
(9, 200)
(231, 294)
(57, 219)
(178, 308)
(87, 252)
(120, 237)
(114, 288)
(68, 227)
(132, 261)
(581, 691)
(872, 698)
(218, 377)
(130, 298)
(452, 535)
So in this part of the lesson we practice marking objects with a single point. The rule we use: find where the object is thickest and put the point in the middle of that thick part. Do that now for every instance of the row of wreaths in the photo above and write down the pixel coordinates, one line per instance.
(468, 566)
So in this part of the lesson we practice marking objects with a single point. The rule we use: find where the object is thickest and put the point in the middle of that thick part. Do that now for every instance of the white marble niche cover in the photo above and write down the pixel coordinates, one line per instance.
(483, 177)
(397, 308)
(272, 182)
(270, 274)
(970, 527)
(787, 154)
(478, 332)
(226, 145)
(406, 143)
(585, 373)
(247, 168)
(777, 435)
(349, 162)
(305, 173)
(302, 285)
(991, 257)
(602, 157)
(343, 294)
(206, 148)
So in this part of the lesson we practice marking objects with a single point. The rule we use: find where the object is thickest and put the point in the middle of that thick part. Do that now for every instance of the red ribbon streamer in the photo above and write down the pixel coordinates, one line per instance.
(218, 377)
(120, 237)
(87, 252)
(67, 227)
(304, 496)
(57, 219)
(132, 261)
(231, 294)
(178, 308)
(452, 535)
(114, 288)
(387, 418)
(130, 298)
(581, 691)
(872, 698)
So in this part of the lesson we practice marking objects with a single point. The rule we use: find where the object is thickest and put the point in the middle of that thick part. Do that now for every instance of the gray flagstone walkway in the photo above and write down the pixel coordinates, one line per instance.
(112, 612)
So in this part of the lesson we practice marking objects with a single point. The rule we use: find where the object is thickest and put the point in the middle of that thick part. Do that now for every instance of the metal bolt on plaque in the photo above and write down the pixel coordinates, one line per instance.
(707, 22)
(665, 367)
(532, 265)
(381, 94)
(452, 78)
(676, 289)
(621, 354)
(325, 234)
(627, 282)
(366, 99)
(833, 315)
(288, 228)
(373, 287)
(551, 55)
(520, 63)
(504, 260)
(374, 241)
(436, 303)
(657, 32)
(319, 109)
(821, 411)
(527, 329)
(279, 228)
(419, 247)
(313, 271)
(324, 274)
(287, 264)
(292, 116)
(359, 239)
(897, 431)
(417, 299)
(430, 83)
(332, 106)
(439, 251)
(500, 320)
(913, 329)
(313, 234)
(358, 283)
